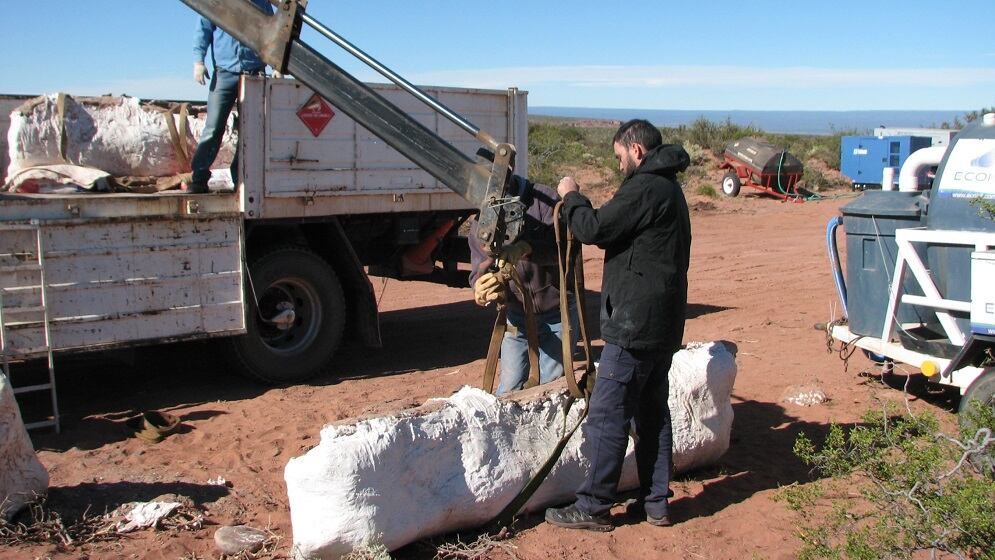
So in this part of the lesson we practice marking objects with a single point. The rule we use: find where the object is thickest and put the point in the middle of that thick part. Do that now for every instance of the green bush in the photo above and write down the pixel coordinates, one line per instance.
(917, 490)
(708, 190)
(986, 208)
(709, 134)
(554, 147)
(697, 153)
(816, 181)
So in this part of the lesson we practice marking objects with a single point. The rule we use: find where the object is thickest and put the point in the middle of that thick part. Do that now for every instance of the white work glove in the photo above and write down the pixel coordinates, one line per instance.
(513, 253)
(277, 75)
(566, 186)
(487, 289)
(199, 73)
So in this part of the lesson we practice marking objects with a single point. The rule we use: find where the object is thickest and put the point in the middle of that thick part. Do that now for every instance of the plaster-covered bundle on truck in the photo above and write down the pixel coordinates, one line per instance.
(117, 141)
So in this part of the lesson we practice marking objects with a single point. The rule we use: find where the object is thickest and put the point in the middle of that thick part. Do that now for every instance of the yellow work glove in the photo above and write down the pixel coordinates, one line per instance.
(488, 288)
(199, 73)
(513, 253)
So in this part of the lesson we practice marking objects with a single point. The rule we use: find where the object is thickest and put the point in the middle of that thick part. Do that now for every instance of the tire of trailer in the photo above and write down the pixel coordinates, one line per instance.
(302, 291)
(983, 391)
(730, 184)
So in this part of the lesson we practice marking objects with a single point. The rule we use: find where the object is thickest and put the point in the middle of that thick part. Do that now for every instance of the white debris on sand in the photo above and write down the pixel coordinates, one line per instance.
(22, 476)
(804, 395)
(455, 463)
(142, 515)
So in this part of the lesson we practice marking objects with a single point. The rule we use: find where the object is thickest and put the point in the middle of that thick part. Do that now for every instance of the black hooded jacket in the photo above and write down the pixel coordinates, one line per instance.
(645, 231)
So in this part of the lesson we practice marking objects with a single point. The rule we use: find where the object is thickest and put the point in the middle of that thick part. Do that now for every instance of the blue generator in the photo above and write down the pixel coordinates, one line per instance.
(863, 158)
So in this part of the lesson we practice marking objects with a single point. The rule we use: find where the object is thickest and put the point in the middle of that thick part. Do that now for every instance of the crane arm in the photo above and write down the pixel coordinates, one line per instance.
(276, 38)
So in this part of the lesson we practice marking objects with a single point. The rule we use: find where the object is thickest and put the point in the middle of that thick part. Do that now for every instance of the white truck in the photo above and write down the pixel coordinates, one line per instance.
(280, 265)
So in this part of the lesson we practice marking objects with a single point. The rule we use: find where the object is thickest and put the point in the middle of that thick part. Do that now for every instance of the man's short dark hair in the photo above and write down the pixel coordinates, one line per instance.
(638, 131)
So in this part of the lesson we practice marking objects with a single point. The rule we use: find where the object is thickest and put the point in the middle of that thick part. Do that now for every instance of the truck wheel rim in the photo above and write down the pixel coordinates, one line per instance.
(289, 293)
(727, 185)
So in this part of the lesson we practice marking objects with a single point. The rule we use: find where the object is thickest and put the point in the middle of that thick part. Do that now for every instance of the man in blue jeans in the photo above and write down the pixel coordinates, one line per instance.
(645, 231)
(535, 258)
(230, 59)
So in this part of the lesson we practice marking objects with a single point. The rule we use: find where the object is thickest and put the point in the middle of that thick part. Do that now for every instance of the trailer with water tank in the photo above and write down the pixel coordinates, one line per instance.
(919, 287)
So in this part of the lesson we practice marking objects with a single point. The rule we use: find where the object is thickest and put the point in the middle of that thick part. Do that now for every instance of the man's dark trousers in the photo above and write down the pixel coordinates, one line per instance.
(632, 384)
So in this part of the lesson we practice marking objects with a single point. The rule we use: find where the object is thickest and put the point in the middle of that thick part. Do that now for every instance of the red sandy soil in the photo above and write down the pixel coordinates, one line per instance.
(759, 277)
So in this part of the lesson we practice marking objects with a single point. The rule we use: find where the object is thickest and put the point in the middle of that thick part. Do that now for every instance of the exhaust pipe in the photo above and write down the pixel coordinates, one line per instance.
(908, 177)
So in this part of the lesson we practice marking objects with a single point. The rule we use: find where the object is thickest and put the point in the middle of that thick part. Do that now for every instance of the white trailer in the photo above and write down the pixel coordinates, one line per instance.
(280, 265)
(922, 282)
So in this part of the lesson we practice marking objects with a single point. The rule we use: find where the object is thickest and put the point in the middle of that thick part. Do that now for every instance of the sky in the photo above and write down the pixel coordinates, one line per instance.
(823, 55)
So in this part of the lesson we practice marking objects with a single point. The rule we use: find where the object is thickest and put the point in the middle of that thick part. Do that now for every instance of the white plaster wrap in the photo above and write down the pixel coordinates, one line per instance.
(22, 476)
(118, 135)
(455, 463)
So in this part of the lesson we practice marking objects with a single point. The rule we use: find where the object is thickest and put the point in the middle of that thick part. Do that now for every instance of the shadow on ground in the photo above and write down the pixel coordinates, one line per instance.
(99, 391)
(760, 457)
(88, 499)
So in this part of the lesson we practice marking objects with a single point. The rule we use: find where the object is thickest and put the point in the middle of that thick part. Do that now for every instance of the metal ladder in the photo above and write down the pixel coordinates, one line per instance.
(8, 351)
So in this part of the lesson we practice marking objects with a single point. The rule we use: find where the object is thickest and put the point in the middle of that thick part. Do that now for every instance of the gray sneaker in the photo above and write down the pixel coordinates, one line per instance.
(662, 521)
(637, 508)
(572, 518)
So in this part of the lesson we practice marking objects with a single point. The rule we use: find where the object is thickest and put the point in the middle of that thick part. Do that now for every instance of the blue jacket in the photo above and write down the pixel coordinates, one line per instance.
(226, 52)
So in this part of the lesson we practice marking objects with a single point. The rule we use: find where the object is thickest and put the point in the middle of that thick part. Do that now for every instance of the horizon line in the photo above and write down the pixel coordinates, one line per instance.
(531, 107)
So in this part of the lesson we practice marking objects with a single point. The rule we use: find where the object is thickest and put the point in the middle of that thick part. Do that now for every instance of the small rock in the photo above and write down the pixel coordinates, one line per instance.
(804, 395)
(239, 539)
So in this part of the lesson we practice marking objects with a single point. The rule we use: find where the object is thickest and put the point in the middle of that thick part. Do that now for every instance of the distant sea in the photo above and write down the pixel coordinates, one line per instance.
(786, 122)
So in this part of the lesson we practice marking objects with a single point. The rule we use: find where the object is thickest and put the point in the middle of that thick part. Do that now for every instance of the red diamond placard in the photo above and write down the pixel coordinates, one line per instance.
(316, 114)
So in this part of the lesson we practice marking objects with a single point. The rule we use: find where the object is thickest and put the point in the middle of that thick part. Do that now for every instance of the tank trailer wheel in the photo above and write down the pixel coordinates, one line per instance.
(730, 184)
(295, 321)
(982, 391)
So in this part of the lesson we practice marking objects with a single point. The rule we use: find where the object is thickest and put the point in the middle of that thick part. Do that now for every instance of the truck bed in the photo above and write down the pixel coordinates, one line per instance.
(119, 268)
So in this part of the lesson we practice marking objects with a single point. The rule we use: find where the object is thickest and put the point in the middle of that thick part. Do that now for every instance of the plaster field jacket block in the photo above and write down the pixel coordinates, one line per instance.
(454, 463)
(645, 231)
(22, 476)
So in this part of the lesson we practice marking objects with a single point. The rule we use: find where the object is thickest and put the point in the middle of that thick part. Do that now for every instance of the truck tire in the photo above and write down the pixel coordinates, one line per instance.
(983, 391)
(297, 326)
(730, 184)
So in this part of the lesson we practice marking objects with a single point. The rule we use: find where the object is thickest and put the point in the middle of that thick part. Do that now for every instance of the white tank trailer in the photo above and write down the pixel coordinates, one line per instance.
(919, 287)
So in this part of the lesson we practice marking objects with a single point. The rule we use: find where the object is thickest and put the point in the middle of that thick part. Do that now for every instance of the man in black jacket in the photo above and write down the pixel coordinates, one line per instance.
(645, 231)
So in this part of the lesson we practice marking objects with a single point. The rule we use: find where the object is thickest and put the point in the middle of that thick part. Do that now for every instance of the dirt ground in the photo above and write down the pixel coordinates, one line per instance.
(759, 277)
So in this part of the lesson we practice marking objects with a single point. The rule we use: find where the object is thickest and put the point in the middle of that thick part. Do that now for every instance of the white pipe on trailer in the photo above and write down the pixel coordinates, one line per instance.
(908, 177)
(888, 179)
